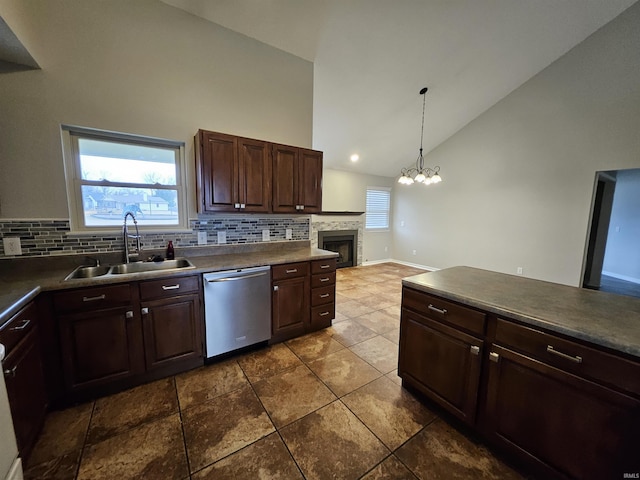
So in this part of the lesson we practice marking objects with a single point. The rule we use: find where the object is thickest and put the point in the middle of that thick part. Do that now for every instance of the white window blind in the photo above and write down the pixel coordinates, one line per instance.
(378, 203)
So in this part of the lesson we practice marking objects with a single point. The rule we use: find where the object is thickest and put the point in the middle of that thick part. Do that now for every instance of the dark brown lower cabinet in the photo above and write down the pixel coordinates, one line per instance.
(26, 390)
(441, 362)
(574, 426)
(100, 346)
(289, 308)
(172, 332)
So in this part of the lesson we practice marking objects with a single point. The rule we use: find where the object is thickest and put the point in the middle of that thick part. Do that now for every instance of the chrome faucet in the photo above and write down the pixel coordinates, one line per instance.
(126, 237)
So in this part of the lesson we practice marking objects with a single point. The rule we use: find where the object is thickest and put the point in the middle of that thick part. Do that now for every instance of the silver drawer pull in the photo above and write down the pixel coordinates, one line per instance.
(494, 357)
(325, 295)
(11, 372)
(441, 311)
(295, 270)
(171, 287)
(145, 311)
(475, 350)
(575, 359)
(325, 279)
(128, 314)
(93, 299)
(23, 326)
(324, 314)
(325, 266)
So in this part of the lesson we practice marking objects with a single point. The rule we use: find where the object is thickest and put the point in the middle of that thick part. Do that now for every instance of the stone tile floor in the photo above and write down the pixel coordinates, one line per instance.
(326, 405)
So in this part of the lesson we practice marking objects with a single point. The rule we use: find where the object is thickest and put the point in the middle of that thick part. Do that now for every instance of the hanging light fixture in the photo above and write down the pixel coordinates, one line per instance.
(419, 173)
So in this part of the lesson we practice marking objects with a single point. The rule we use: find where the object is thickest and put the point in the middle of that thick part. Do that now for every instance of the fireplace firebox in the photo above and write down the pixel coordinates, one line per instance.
(344, 243)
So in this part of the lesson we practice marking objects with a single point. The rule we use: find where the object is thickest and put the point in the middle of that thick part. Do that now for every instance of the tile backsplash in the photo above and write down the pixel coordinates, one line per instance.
(52, 237)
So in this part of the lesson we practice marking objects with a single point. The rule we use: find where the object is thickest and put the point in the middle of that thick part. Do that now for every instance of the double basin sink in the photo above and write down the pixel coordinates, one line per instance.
(124, 268)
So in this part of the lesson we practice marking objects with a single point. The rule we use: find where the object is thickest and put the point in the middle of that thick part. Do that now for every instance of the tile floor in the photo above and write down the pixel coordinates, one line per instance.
(326, 405)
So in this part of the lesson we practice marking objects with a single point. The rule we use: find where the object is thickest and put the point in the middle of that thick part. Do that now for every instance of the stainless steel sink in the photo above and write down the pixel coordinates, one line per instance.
(138, 267)
(124, 268)
(88, 272)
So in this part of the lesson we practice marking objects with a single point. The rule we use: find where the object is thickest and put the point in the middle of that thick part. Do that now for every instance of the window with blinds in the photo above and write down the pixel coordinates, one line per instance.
(378, 204)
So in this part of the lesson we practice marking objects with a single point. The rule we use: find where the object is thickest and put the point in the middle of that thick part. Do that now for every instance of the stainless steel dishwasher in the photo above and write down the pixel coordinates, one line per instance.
(237, 305)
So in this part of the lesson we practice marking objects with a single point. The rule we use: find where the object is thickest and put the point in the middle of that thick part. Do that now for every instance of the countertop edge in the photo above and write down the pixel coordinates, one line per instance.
(526, 319)
(54, 280)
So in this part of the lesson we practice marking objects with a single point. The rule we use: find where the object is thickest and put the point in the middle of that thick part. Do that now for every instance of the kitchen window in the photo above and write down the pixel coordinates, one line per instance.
(109, 174)
(377, 208)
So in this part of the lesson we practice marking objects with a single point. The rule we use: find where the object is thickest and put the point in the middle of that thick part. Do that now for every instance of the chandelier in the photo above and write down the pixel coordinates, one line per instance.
(419, 173)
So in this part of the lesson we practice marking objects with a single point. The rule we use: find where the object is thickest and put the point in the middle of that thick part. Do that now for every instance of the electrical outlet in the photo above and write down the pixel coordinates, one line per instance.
(288, 234)
(222, 236)
(413, 253)
(12, 246)
(202, 238)
(266, 235)
(519, 271)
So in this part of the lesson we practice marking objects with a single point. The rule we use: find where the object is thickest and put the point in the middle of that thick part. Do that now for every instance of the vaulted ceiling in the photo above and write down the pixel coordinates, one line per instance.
(372, 57)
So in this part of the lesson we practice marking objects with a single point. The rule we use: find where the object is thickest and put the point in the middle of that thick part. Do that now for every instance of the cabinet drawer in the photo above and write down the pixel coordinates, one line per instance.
(168, 287)
(570, 356)
(290, 270)
(323, 266)
(93, 298)
(323, 279)
(322, 315)
(444, 311)
(18, 327)
(322, 295)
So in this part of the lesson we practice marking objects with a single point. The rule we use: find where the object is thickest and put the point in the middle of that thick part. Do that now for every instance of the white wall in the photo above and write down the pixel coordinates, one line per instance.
(139, 67)
(518, 181)
(347, 191)
(622, 255)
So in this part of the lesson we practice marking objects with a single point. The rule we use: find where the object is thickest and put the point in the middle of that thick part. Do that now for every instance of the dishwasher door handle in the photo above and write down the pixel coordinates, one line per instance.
(240, 277)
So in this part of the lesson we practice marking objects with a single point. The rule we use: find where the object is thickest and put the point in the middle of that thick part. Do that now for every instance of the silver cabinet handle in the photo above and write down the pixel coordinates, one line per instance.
(441, 311)
(171, 287)
(494, 357)
(11, 372)
(242, 205)
(475, 350)
(93, 299)
(23, 326)
(237, 205)
(275, 288)
(323, 314)
(145, 311)
(325, 279)
(575, 359)
(295, 270)
(301, 207)
(325, 295)
(128, 314)
(325, 266)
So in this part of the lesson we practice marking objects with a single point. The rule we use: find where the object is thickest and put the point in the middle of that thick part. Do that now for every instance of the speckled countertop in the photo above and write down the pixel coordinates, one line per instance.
(20, 285)
(601, 318)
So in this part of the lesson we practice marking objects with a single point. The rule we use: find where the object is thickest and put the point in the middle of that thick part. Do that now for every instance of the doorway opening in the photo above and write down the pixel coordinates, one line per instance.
(612, 260)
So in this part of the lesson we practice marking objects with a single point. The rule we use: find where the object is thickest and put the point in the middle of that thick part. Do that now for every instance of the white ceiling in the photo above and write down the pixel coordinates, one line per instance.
(372, 57)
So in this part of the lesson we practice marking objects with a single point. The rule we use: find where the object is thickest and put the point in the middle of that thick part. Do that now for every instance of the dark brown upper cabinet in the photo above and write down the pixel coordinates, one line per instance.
(233, 173)
(297, 180)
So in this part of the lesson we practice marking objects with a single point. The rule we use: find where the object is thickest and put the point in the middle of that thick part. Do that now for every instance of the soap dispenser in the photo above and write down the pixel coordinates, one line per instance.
(170, 253)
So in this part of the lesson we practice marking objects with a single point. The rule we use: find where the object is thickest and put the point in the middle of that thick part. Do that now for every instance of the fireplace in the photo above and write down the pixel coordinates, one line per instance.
(344, 243)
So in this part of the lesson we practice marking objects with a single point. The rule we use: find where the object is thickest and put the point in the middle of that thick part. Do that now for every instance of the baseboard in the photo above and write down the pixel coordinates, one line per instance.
(408, 264)
(622, 277)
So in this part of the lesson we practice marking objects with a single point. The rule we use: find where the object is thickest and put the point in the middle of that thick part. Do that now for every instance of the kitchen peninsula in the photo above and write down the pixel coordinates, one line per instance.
(547, 372)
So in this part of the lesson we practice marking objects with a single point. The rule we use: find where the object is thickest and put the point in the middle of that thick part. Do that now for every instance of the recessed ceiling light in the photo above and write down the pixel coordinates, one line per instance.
(355, 157)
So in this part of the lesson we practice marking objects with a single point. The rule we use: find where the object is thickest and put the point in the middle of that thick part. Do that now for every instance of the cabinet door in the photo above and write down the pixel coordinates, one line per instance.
(572, 425)
(441, 362)
(290, 308)
(26, 390)
(100, 346)
(285, 179)
(217, 172)
(172, 332)
(310, 180)
(254, 175)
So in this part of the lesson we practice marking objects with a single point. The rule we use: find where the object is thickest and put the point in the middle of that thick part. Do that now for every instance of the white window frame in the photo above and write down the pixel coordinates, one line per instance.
(386, 211)
(74, 181)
